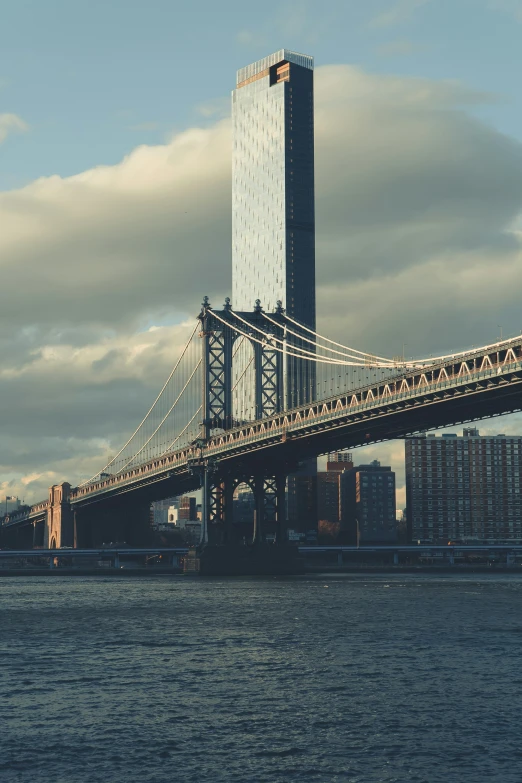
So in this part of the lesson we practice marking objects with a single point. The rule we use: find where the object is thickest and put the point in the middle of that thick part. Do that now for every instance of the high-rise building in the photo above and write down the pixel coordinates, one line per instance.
(302, 501)
(329, 484)
(187, 509)
(10, 504)
(338, 461)
(368, 513)
(244, 509)
(466, 487)
(273, 223)
(161, 510)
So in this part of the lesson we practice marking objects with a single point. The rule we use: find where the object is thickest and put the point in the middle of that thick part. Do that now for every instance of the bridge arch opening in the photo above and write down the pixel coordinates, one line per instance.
(53, 543)
(244, 509)
(243, 381)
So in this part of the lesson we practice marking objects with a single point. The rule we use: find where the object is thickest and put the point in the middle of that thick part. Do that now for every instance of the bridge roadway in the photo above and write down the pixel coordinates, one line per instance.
(480, 384)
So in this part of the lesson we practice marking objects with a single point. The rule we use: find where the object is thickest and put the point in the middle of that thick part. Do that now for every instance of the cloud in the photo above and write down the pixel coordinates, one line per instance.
(400, 48)
(115, 243)
(217, 108)
(398, 13)
(418, 242)
(415, 209)
(11, 123)
(245, 37)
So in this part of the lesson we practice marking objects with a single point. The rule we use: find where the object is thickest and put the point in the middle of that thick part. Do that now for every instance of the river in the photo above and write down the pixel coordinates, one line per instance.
(359, 679)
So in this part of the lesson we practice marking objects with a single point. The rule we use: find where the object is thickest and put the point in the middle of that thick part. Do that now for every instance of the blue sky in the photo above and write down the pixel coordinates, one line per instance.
(92, 80)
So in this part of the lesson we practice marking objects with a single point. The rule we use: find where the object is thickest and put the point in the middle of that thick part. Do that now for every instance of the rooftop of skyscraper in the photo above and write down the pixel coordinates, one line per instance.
(305, 60)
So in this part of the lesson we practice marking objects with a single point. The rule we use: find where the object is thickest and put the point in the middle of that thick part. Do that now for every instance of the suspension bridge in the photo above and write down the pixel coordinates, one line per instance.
(250, 396)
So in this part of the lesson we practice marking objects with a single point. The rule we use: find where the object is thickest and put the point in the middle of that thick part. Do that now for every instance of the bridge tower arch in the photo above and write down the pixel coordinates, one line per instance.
(219, 332)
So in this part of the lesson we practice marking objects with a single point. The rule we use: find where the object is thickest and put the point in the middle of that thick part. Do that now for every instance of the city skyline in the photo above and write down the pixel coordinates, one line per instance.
(101, 268)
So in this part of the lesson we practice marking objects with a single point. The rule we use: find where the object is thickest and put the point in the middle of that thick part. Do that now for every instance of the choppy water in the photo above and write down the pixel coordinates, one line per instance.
(156, 680)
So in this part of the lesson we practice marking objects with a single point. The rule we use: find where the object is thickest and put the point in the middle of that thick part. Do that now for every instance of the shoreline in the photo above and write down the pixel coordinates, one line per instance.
(363, 570)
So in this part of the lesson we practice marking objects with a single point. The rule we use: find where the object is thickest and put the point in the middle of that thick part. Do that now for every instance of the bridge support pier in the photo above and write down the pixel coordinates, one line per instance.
(223, 551)
(59, 526)
(270, 508)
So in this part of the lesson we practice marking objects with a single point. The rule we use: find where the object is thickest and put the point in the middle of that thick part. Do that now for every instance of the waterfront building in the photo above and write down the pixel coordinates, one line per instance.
(161, 511)
(187, 511)
(368, 513)
(244, 508)
(463, 487)
(329, 487)
(302, 503)
(10, 504)
(338, 461)
(273, 223)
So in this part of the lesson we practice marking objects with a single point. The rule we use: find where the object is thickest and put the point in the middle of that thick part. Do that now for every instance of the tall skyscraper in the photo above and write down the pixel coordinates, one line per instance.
(464, 487)
(273, 223)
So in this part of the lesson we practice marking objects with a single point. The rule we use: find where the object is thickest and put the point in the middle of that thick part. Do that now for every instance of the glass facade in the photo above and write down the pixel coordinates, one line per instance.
(273, 223)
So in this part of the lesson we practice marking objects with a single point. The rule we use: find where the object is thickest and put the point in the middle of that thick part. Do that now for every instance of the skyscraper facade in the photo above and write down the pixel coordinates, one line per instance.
(464, 487)
(273, 214)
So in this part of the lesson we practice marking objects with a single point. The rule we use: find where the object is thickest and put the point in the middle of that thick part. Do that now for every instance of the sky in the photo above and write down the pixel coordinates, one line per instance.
(115, 158)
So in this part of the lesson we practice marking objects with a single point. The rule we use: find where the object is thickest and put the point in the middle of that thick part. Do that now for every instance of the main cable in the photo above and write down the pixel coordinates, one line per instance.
(327, 339)
(389, 362)
(416, 362)
(270, 339)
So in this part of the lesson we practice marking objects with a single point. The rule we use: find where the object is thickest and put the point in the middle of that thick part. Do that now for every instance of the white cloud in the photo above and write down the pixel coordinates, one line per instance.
(416, 206)
(11, 123)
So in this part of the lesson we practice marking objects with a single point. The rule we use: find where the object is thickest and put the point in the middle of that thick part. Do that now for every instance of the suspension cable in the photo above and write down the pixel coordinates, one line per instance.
(234, 387)
(185, 428)
(113, 460)
(390, 362)
(327, 339)
(164, 418)
(422, 362)
(311, 357)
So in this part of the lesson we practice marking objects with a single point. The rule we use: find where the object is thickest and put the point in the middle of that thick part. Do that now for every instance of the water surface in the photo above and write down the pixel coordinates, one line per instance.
(324, 678)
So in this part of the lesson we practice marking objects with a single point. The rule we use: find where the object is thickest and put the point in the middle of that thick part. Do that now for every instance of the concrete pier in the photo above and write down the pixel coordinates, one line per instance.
(255, 560)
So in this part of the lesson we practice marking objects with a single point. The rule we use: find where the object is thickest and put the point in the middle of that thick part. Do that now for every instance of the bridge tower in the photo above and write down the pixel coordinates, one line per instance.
(59, 526)
(219, 331)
